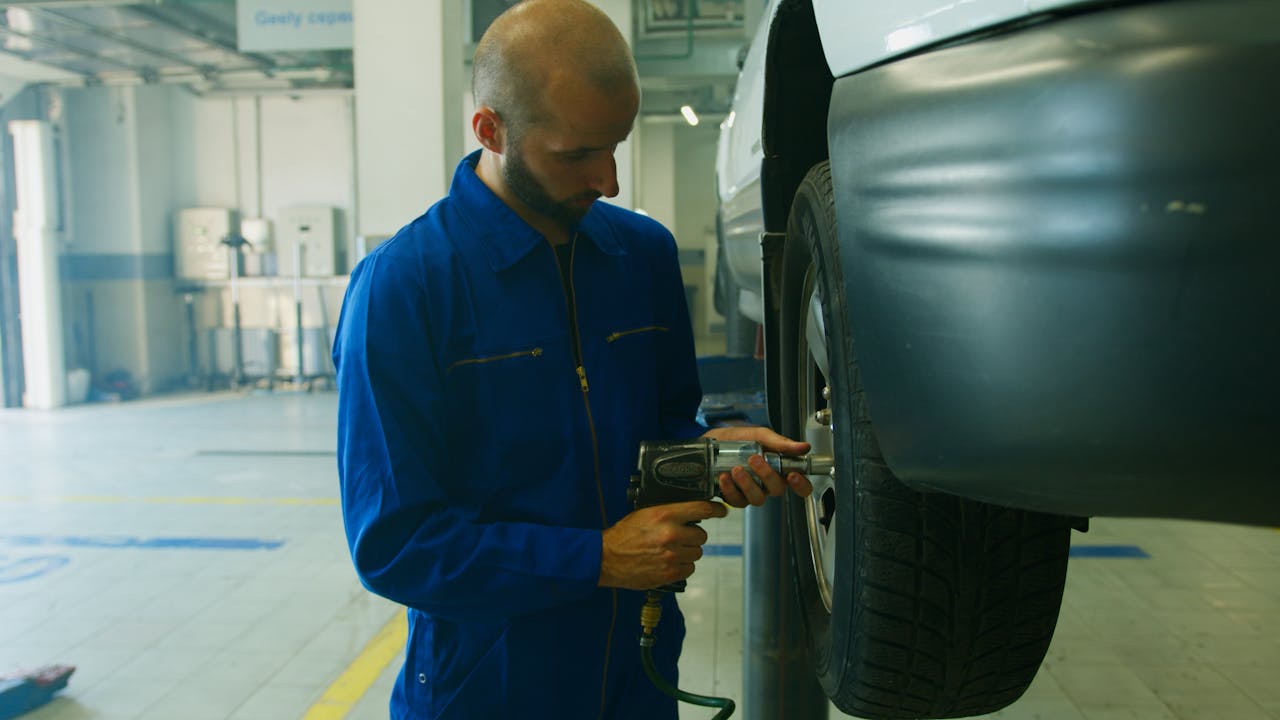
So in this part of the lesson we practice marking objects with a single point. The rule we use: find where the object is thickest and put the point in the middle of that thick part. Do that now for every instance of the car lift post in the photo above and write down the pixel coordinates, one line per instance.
(777, 681)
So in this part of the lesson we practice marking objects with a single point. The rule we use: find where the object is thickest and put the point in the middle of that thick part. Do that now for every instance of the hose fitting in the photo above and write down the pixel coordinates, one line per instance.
(650, 614)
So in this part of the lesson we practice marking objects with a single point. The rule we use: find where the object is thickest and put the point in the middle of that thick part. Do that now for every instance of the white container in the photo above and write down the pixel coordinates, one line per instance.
(77, 386)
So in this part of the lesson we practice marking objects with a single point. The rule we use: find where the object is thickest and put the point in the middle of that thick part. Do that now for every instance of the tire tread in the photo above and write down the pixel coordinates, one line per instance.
(953, 601)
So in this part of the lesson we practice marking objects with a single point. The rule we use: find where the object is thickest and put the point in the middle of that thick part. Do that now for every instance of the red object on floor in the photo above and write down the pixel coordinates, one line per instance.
(28, 690)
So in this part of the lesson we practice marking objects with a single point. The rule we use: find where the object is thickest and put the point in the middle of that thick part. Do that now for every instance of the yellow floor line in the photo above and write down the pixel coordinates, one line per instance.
(356, 680)
(164, 500)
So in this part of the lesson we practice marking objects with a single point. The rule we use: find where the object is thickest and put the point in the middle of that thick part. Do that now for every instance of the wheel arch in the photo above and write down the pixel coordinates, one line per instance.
(793, 137)
(797, 98)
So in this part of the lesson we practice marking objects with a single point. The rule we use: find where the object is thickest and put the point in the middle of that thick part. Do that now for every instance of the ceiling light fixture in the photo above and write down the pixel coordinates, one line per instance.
(690, 116)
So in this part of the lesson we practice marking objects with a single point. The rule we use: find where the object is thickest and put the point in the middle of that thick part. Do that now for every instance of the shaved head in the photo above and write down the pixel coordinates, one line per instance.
(539, 44)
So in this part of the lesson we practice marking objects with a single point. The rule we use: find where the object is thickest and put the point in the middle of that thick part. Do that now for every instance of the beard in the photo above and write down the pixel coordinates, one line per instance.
(522, 183)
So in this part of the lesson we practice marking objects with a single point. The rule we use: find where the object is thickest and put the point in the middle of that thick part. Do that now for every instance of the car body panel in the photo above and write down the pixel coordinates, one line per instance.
(741, 219)
(854, 35)
(1060, 252)
(1062, 260)
(739, 156)
(858, 34)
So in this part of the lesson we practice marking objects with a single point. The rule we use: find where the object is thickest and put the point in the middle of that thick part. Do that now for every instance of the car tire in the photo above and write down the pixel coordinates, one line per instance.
(915, 604)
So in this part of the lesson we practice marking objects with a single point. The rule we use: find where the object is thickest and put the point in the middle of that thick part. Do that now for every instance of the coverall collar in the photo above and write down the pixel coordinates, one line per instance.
(505, 237)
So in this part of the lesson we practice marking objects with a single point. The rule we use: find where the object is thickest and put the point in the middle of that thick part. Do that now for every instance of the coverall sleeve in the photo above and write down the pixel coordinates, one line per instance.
(408, 542)
(678, 367)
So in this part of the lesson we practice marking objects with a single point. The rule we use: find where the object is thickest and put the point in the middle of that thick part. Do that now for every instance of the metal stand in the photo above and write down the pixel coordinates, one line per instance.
(327, 344)
(777, 682)
(193, 340)
(234, 243)
(300, 375)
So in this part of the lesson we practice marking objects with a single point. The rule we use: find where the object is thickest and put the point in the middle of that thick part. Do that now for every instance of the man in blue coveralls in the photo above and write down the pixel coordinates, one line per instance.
(499, 362)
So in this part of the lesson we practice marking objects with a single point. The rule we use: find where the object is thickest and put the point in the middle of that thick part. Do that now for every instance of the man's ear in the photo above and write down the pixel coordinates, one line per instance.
(489, 129)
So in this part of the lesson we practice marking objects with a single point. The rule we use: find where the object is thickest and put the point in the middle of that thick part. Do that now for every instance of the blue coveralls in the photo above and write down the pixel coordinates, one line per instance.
(480, 462)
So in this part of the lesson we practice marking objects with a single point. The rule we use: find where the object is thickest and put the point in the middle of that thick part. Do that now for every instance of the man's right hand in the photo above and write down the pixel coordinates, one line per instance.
(655, 546)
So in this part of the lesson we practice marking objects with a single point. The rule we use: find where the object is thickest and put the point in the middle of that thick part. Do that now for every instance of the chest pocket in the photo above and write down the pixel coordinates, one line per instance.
(635, 348)
(618, 335)
(534, 352)
(510, 407)
(630, 363)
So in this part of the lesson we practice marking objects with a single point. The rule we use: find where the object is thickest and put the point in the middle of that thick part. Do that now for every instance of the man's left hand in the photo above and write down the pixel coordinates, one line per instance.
(738, 488)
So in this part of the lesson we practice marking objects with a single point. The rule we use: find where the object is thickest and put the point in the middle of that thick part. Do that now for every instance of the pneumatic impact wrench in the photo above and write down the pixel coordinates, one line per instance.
(669, 472)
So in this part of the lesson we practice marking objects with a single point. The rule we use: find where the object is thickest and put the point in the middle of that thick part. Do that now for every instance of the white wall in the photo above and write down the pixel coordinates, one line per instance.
(655, 190)
(98, 129)
(156, 165)
(259, 154)
(694, 159)
(306, 152)
(675, 184)
(620, 12)
(206, 144)
(121, 188)
(138, 154)
(409, 80)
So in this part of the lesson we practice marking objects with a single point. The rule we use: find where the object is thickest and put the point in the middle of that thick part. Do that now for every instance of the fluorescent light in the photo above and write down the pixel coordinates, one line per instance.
(690, 116)
(641, 211)
(20, 20)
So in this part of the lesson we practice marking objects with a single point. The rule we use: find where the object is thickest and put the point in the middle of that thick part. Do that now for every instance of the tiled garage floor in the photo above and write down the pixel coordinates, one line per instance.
(186, 554)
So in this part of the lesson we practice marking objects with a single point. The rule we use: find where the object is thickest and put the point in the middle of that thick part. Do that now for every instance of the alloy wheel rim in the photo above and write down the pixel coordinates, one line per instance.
(812, 381)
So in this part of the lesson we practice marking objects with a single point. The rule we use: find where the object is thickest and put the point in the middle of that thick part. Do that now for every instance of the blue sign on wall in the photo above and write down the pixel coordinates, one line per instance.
(274, 25)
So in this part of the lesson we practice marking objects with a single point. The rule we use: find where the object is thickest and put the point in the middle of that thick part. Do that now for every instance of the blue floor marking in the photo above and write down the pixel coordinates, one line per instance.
(722, 550)
(1108, 551)
(163, 543)
(12, 571)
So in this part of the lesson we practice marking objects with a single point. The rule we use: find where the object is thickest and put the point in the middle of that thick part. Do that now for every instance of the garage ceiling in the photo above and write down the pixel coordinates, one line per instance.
(193, 42)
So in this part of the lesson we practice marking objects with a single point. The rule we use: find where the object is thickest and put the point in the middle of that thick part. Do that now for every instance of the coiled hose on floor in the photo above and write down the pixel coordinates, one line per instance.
(650, 614)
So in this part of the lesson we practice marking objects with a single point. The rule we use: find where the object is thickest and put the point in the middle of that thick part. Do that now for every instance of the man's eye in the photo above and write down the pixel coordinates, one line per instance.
(576, 156)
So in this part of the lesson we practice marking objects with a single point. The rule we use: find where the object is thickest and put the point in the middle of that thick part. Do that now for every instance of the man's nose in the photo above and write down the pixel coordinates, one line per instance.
(605, 176)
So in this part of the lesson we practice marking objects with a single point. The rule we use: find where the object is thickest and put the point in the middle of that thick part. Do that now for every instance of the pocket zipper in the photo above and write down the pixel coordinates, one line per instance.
(536, 352)
(651, 328)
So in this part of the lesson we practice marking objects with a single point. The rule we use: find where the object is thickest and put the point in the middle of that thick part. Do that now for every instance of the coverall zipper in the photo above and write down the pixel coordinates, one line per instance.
(571, 306)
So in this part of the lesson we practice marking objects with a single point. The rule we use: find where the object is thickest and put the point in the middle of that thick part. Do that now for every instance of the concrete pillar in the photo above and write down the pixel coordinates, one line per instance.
(122, 177)
(40, 291)
(619, 11)
(409, 69)
(411, 82)
(655, 171)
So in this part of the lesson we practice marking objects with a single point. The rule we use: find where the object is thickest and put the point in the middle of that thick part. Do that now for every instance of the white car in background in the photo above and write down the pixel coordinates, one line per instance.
(1018, 264)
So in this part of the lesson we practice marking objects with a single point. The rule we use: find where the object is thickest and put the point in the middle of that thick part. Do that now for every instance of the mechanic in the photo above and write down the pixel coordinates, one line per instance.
(499, 361)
